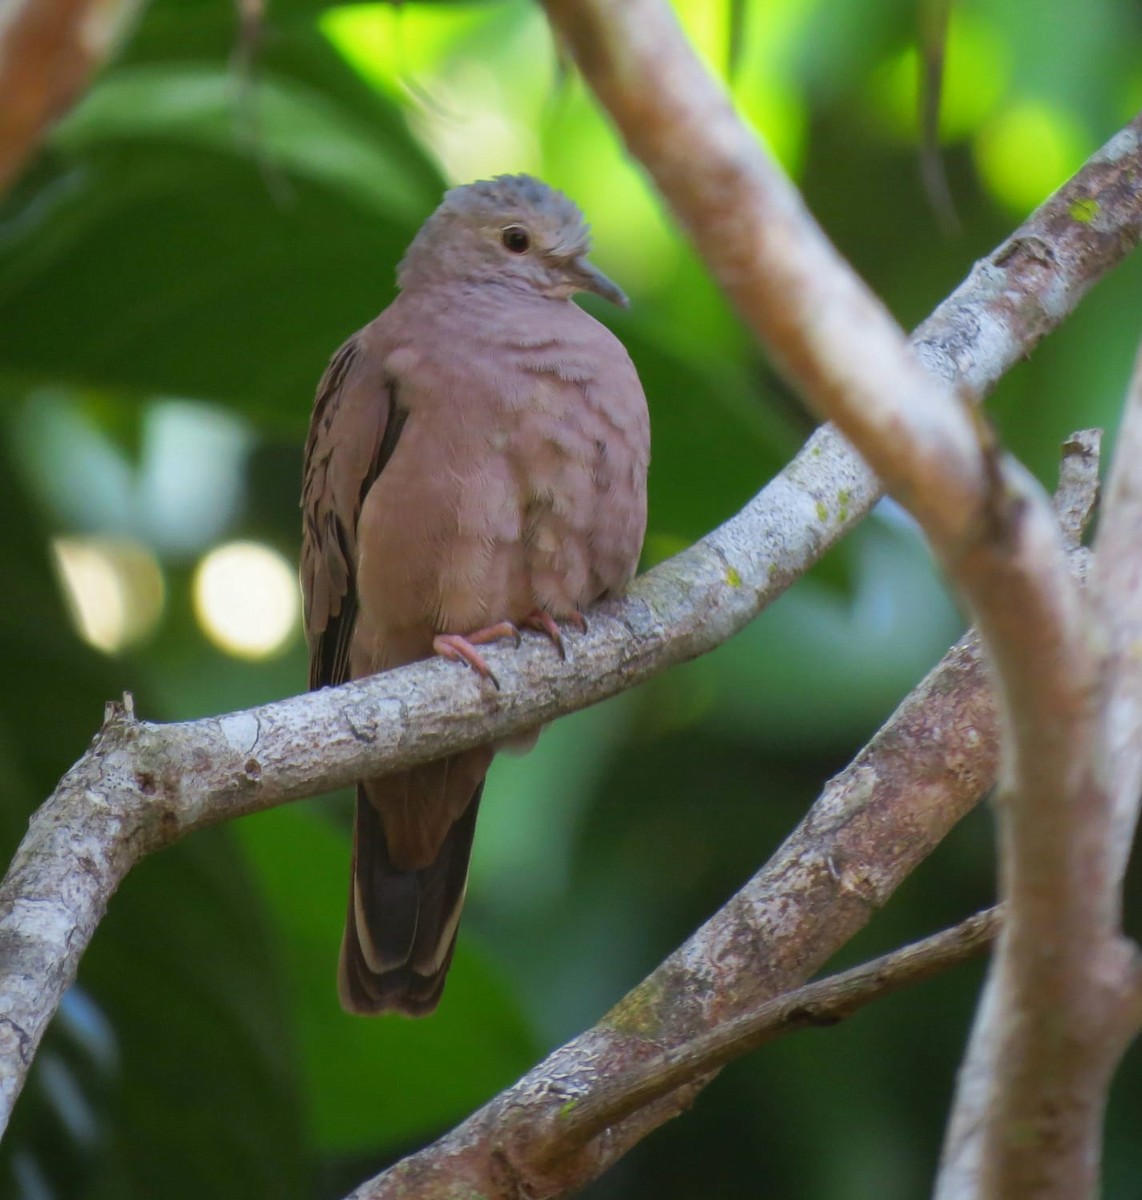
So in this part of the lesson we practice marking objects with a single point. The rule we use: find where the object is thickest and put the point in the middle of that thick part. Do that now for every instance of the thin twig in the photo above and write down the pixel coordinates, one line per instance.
(824, 1002)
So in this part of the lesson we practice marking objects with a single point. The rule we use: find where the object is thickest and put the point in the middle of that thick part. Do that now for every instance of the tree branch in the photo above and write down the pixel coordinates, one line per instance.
(141, 786)
(1038, 1053)
(1009, 1082)
(825, 1002)
(833, 337)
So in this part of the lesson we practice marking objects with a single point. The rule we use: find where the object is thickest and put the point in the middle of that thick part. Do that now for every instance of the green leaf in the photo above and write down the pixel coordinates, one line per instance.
(182, 258)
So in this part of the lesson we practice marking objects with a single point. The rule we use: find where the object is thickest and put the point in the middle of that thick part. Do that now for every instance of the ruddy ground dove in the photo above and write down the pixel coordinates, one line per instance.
(476, 462)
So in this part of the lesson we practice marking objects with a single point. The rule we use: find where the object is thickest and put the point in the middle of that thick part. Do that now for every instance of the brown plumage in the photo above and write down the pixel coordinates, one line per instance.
(477, 455)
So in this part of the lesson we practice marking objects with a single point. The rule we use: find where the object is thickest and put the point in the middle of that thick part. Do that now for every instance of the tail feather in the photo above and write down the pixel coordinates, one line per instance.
(400, 930)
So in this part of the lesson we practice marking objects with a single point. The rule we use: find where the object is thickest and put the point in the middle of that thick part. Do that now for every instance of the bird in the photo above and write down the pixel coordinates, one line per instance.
(476, 464)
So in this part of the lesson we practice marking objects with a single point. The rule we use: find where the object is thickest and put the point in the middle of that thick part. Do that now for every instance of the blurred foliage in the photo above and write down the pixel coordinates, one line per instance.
(192, 243)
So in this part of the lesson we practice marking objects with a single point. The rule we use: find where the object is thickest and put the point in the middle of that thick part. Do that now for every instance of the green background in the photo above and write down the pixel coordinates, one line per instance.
(176, 266)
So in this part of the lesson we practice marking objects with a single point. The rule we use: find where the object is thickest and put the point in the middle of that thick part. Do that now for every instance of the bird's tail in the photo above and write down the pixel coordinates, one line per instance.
(400, 929)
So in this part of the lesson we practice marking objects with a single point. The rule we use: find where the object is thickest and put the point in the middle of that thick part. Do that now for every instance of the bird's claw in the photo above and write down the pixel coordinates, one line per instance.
(543, 622)
(462, 648)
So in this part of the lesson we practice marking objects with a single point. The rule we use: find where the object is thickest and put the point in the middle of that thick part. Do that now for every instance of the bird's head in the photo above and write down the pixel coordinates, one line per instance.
(512, 230)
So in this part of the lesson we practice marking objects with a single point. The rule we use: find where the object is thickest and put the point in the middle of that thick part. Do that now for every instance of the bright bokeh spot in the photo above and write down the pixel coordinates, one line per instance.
(392, 45)
(113, 587)
(977, 71)
(363, 34)
(473, 128)
(1027, 152)
(246, 599)
(476, 113)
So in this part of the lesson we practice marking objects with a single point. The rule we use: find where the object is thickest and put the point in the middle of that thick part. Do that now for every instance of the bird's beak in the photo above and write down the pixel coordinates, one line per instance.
(586, 277)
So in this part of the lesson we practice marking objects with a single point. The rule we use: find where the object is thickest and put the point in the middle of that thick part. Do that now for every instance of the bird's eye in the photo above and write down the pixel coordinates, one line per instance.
(516, 239)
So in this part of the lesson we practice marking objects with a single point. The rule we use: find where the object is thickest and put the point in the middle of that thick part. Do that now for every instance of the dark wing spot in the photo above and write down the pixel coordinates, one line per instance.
(393, 429)
(329, 649)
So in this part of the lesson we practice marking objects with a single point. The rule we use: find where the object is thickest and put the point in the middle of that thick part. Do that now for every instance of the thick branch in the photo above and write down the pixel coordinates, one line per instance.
(1038, 1051)
(831, 334)
(1002, 1074)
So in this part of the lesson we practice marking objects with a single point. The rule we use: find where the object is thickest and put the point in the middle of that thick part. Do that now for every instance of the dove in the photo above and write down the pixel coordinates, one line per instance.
(476, 464)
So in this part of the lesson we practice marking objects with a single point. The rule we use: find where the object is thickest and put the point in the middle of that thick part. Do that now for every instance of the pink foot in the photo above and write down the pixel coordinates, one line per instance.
(461, 648)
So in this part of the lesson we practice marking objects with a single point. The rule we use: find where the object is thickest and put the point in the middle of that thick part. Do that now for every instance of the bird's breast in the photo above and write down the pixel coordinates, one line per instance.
(513, 497)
